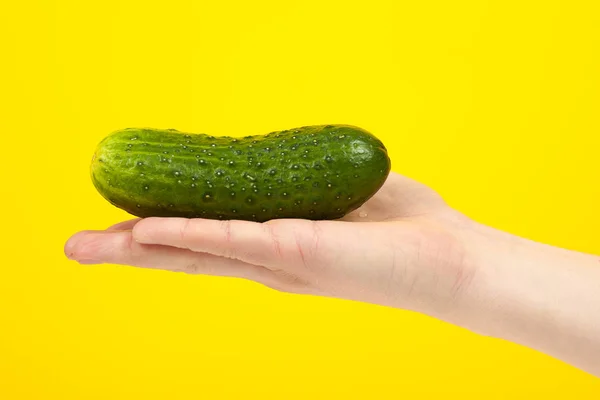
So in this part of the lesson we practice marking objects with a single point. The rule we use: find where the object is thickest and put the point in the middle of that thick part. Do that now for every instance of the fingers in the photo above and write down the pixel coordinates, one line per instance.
(252, 242)
(96, 247)
(124, 226)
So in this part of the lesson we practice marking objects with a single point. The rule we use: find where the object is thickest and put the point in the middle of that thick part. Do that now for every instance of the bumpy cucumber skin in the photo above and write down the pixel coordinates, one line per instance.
(314, 172)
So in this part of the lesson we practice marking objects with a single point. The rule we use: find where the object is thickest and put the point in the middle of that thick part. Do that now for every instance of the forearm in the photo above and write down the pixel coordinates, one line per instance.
(539, 296)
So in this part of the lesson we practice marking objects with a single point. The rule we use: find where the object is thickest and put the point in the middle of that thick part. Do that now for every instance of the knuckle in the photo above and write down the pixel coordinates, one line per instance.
(185, 232)
(315, 238)
(272, 230)
(306, 243)
(227, 248)
(226, 231)
(299, 241)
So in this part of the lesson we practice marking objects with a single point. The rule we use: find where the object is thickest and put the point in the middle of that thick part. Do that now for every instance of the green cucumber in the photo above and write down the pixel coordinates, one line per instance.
(312, 172)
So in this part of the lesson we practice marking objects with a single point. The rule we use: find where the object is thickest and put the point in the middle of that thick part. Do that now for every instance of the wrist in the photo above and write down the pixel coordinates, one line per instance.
(533, 294)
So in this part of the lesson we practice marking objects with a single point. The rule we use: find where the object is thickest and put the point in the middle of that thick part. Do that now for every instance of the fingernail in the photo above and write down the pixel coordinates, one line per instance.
(71, 243)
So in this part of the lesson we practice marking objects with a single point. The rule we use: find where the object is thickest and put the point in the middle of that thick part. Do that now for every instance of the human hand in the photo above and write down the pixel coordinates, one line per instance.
(399, 249)
(404, 248)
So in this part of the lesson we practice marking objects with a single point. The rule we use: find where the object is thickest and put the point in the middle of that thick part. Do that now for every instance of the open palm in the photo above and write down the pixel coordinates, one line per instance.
(395, 250)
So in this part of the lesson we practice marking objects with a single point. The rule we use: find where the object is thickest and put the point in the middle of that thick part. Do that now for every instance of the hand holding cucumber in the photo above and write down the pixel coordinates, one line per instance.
(360, 233)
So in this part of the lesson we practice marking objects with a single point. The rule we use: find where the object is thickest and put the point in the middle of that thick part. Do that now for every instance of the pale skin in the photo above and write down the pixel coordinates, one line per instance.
(404, 248)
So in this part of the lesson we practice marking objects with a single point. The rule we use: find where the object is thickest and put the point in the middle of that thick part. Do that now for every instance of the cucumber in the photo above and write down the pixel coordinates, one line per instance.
(312, 172)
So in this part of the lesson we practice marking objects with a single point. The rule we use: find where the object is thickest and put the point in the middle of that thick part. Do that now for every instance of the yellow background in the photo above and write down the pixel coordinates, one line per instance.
(492, 103)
